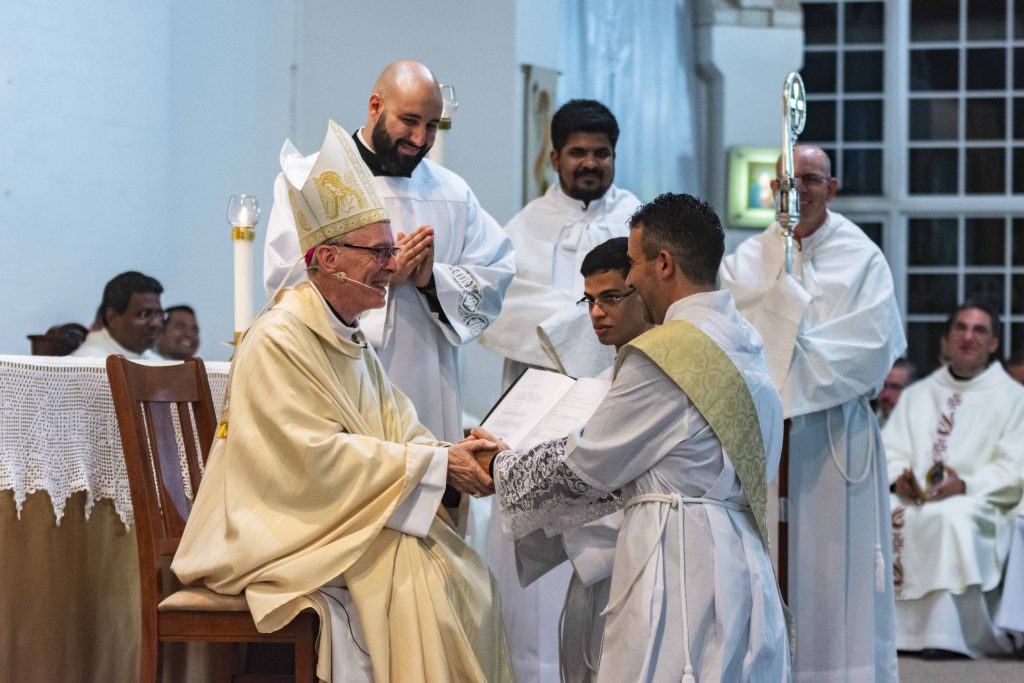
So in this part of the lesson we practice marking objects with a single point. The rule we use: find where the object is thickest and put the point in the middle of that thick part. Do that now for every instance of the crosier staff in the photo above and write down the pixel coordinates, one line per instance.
(787, 213)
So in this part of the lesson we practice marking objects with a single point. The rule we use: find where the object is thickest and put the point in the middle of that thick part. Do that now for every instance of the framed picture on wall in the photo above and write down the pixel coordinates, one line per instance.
(538, 108)
(751, 172)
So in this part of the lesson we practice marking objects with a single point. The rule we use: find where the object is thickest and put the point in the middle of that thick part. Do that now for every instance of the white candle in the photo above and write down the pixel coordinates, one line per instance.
(242, 240)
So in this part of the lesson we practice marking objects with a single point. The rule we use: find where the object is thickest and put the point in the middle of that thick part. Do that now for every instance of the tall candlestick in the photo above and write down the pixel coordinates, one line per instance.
(243, 215)
(448, 106)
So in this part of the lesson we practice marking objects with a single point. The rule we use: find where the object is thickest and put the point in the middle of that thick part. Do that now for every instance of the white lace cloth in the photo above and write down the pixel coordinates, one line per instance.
(58, 430)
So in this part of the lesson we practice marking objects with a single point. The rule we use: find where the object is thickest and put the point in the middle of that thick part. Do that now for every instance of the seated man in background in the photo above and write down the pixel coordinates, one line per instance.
(954, 446)
(323, 477)
(179, 337)
(616, 312)
(899, 378)
(132, 318)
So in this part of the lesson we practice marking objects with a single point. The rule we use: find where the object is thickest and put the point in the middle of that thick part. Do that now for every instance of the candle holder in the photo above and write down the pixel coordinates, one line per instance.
(448, 106)
(243, 215)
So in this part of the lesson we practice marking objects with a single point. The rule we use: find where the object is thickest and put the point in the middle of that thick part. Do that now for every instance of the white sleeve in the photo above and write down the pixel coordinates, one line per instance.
(416, 513)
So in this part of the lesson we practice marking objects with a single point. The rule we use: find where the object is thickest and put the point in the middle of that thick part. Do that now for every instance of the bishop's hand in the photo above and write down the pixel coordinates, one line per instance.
(466, 475)
(484, 446)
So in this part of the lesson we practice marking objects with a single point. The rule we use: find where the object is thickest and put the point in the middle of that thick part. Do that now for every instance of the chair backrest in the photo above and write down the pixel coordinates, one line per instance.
(146, 398)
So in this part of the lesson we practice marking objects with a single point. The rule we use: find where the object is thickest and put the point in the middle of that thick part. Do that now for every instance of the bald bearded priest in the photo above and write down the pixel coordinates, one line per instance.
(322, 477)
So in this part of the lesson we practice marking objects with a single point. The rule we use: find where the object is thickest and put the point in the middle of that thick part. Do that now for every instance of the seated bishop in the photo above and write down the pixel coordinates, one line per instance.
(954, 446)
(322, 489)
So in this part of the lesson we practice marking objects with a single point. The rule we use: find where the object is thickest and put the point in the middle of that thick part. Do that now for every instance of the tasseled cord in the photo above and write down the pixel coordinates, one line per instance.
(688, 676)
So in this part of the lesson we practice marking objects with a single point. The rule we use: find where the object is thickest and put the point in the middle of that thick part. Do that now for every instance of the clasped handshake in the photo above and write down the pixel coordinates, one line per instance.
(469, 462)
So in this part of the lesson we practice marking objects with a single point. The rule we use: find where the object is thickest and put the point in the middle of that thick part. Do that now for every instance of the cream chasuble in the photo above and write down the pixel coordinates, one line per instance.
(832, 331)
(319, 454)
(956, 546)
(692, 589)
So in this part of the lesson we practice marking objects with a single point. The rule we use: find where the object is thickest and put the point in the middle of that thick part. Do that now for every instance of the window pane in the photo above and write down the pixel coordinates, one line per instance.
(873, 231)
(821, 122)
(986, 69)
(934, 69)
(931, 293)
(819, 72)
(1018, 118)
(1018, 19)
(984, 241)
(933, 171)
(932, 242)
(1018, 241)
(862, 72)
(923, 345)
(862, 120)
(1017, 294)
(1018, 170)
(1018, 65)
(934, 119)
(934, 20)
(1016, 338)
(984, 172)
(862, 171)
(820, 23)
(986, 19)
(864, 22)
(986, 118)
(985, 287)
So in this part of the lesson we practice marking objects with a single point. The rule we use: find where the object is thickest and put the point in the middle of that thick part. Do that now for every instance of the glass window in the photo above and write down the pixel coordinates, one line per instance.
(923, 344)
(986, 118)
(931, 293)
(932, 242)
(819, 72)
(934, 119)
(821, 121)
(1018, 118)
(933, 171)
(1018, 241)
(986, 287)
(1018, 65)
(1016, 338)
(873, 230)
(1018, 19)
(934, 20)
(934, 70)
(862, 172)
(986, 19)
(983, 241)
(1017, 294)
(820, 24)
(984, 172)
(864, 22)
(862, 120)
(1018, 170)
(986, 68)
(862, 71)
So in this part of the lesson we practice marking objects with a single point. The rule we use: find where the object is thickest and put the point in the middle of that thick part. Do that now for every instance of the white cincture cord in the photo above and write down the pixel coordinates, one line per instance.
(674, 500)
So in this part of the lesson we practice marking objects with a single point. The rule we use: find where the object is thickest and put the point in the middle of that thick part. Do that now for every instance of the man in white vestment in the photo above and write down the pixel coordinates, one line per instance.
(538, 325)
(322, 489)
(541, 326)
(683, 443)
(617, 314)
(455, 263)
(132, 318)
(179, 336)
(899, 378)
(832, 331)
(955, 448)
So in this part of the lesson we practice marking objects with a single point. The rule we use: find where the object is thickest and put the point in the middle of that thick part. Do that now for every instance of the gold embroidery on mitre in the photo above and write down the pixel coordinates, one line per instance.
(338, 196)
(300, 219)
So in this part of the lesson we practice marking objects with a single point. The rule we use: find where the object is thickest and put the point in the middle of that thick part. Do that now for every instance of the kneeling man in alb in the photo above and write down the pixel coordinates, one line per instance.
(955, 448)
(684, 442)
(323, 490)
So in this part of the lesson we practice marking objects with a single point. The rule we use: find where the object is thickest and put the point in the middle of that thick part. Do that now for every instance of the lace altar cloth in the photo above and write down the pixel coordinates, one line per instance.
(58, 430)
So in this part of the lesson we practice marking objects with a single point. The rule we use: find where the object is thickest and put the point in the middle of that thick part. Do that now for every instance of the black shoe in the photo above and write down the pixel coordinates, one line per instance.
(935, 654)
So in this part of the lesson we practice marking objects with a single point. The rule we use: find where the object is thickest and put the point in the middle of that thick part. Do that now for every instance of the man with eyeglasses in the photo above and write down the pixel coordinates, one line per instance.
(323, 489)
(132, 319)
(832, 331)
(455, 263)
(540, 326)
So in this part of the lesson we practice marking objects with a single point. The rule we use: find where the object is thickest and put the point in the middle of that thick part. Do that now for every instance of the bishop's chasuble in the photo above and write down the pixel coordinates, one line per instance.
(321, 452)
(949, 554)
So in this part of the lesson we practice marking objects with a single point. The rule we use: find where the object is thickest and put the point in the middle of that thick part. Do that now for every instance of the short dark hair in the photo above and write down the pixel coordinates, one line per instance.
(610, 255)
(180, 308)
(686, 227)
(118, 292)
(907, 365)
(982, 306)
(589, 116)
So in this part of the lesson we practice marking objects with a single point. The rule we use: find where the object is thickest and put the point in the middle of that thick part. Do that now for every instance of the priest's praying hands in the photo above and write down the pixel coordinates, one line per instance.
(416, 260)
(466, 475)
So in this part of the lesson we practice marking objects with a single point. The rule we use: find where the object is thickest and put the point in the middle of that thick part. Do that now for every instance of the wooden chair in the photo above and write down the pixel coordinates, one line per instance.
(145, 397)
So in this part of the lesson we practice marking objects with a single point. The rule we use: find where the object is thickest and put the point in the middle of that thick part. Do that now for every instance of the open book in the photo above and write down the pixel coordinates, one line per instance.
(544, 405)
